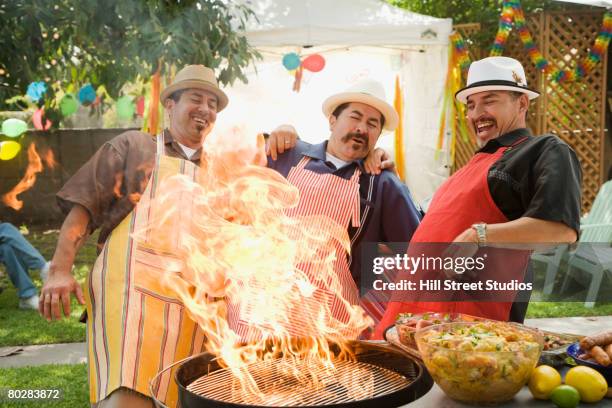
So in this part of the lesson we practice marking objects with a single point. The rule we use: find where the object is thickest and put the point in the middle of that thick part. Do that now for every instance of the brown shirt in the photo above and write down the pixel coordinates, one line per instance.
(111, 182)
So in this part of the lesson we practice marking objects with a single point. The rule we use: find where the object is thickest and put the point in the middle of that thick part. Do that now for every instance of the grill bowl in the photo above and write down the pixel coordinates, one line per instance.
(410, 378)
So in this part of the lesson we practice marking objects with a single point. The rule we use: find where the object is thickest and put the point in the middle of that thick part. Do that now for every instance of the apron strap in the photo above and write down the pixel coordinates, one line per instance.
(366, 211)
(302, 163)
(356, 207)
(160, 144)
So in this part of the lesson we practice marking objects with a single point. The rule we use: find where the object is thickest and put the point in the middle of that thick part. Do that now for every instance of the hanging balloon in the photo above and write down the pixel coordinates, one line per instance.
(36, 90)
(140, 106)
(14, 127)
(9, 150)
(314, 63)
(291, 61)
(68, 105)
(87, 94)
(125, 107)
(37, 120)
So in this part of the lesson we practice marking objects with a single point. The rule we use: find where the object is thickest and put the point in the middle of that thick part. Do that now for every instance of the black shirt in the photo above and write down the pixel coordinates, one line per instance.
(539, 177)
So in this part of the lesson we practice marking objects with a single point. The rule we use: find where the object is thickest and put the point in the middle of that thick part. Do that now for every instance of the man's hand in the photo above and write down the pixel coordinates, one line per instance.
(56, 293)
(377, 161)
(282, 138)
(465, 245)
(60, 284)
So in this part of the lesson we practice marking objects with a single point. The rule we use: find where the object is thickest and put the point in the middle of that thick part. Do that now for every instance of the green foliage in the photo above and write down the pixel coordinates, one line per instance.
(485, 12)
(563, 309)
(70, 379)
(68, 43)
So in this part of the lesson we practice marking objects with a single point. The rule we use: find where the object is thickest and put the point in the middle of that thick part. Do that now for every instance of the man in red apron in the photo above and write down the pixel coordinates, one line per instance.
(516, 189)
(332, 181)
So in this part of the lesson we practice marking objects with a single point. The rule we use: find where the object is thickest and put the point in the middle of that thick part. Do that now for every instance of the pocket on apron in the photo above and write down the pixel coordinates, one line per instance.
(158, 275)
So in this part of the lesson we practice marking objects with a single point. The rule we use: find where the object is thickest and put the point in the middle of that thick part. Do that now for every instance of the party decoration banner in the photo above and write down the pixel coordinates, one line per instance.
(68, 105)
(87, 94)
(291, 61)
(9, 150)
(14, 127)
(125, 107)
(37, 120)
(36, 90)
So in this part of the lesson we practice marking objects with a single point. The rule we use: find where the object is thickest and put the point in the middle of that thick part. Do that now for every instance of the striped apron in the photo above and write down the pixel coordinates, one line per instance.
(320, 194)
(136, 325)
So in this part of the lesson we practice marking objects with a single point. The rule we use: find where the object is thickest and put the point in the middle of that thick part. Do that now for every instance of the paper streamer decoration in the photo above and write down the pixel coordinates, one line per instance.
(37, 120)
(512, 14)
(398, 104)
(9, 150)
(14, 127)
(140, 106)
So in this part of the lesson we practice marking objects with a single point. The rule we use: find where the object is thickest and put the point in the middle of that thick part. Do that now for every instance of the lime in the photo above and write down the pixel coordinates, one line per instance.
(590, 383)
(543, 380)
(565, 396)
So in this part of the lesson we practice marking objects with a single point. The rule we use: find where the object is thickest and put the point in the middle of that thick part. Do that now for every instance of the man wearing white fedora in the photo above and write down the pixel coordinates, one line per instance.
(333, 180)
(516, 189)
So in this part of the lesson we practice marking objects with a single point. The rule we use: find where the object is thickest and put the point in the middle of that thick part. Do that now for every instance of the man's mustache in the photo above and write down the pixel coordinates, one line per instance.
(354, 135)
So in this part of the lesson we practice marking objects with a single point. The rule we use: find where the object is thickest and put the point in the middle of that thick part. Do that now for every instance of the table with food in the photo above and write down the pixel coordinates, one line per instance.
(474, 361)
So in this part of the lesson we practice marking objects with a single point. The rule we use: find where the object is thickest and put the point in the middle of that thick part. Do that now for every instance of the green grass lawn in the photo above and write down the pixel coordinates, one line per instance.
(70, 379)
(23, 327)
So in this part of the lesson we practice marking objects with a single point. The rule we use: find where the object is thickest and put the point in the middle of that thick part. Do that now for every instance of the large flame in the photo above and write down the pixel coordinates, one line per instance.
(35, 166)
(240, 251)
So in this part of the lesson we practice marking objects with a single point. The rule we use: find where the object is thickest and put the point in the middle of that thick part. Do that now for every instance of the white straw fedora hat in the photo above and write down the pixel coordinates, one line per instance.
(368, 92)
(495, 74)
(196, 76)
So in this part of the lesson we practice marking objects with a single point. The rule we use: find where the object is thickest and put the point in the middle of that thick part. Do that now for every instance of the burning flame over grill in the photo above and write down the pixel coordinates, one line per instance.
(35, 166)
(243, 260)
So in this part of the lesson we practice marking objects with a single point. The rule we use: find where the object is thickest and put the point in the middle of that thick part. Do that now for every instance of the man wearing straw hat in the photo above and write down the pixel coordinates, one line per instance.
(517, 189)
(332, 180)
(134, 327)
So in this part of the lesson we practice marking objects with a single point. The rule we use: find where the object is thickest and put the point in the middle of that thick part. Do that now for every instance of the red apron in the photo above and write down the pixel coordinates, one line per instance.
(464, 199)
(338, 199)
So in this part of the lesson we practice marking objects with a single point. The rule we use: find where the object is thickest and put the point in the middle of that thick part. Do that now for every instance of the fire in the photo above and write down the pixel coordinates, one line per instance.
(35, 166)
(243, 277)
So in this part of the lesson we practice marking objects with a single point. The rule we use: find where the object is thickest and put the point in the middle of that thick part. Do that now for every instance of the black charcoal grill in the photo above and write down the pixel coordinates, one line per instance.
(391, 379)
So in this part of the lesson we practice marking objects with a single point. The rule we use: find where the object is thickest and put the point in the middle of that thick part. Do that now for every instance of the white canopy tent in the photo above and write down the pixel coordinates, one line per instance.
(358, 39)
(597, 3)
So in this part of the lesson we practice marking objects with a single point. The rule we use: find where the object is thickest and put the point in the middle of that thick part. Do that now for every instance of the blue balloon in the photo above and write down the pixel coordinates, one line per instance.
(291, 61)
(36, 90)
(87, 94)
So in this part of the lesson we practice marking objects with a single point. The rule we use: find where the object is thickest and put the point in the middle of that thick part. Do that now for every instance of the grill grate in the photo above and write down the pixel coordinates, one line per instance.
(350, 381)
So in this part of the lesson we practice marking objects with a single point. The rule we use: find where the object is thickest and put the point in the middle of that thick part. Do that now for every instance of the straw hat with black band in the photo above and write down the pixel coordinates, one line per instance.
(368, 92)
(495, 74)
(196, 76)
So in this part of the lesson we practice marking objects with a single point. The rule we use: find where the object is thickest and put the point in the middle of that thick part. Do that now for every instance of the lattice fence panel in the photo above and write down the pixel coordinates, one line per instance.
(576, 111)
(573, 111)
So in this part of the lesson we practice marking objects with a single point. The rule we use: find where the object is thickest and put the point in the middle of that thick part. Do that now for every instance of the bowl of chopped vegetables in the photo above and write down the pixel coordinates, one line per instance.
(479, 362)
